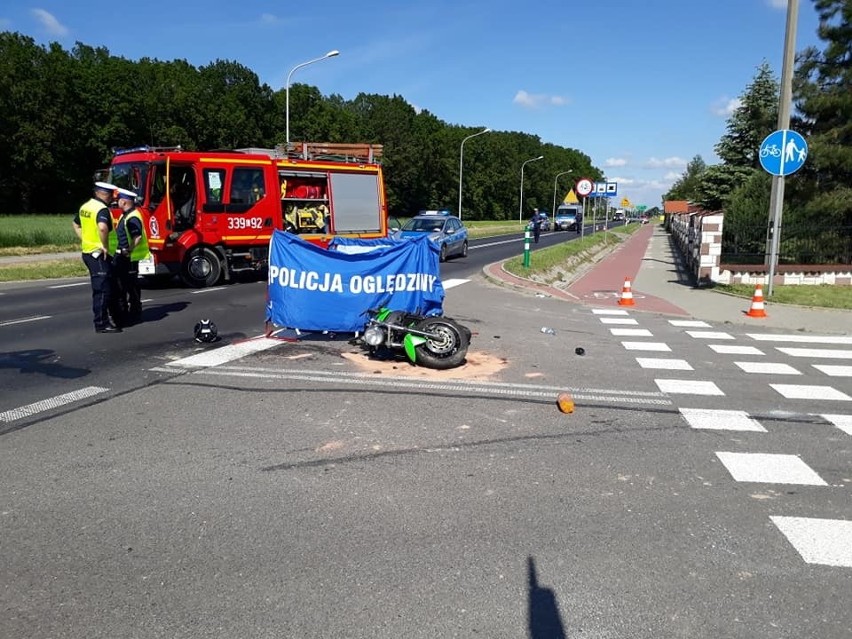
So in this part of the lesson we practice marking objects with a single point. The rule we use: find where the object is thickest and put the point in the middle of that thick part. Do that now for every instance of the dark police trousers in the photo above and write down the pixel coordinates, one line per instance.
(104, 300)
(129, 292)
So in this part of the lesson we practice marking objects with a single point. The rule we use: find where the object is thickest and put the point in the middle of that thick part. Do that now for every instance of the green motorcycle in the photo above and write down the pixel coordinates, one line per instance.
(435, 342)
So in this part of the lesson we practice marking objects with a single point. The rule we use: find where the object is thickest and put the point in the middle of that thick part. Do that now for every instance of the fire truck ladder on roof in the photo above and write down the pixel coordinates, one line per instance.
(338, 152)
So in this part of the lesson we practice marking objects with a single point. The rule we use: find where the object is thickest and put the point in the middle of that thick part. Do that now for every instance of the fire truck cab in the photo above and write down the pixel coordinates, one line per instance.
(211, 214)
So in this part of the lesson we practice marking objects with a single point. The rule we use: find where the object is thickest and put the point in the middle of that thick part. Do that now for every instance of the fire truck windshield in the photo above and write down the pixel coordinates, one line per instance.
(130, 175)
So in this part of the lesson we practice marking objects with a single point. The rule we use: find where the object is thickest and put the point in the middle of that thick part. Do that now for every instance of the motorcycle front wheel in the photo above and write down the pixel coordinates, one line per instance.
(447, 346)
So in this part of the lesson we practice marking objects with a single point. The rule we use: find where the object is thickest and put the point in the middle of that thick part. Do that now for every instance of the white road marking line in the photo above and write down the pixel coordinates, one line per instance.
(769, 468)
(825, 353)
(24, 320)
(735, 350)
(713, 419)
(608, 311)
(69, 285)
(770, 368)
(463, 382)
(224, 354)
(646, 346)
(843, 422)
(834, 371)
(208, 290)
(631, 332)
(689, 323)
(617, 396)
(618, 320)
(53, 402)
(687, 387)
(812, 339)
(800, 391)
(147, 299)
(447, 284)
(819, 541)
(666, 364)
(709, 335)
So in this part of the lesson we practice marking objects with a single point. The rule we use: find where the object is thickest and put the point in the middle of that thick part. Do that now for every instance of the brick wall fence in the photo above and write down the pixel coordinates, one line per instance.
(698, 235)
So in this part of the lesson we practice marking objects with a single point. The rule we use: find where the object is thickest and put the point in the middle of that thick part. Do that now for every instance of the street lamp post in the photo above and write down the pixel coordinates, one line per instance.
(521, 205)
(461, 165)
(553, 212)
(330, 54)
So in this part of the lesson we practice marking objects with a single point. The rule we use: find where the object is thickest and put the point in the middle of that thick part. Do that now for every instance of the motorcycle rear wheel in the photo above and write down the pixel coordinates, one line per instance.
(447, 347)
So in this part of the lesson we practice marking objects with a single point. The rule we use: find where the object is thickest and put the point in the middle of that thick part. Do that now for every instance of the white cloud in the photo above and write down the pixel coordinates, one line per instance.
(49, 22)
(615, 162)
(725, 106)
(777, 4)
(268, 18)
(671, 176)
(537, 100)
(622, 180)
(671, 162)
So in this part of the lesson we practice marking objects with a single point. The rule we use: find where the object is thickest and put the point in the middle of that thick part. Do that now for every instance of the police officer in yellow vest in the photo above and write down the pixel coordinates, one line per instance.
(129, 245)
(93, 225)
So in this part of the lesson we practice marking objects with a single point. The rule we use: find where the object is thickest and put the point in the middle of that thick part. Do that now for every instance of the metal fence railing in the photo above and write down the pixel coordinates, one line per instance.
(799, 244)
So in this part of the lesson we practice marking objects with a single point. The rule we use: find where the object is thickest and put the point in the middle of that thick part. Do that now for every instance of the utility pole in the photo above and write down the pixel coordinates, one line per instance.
(776, 197)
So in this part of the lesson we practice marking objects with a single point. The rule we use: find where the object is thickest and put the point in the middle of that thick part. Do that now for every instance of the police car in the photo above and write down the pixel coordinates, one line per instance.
(446, 230)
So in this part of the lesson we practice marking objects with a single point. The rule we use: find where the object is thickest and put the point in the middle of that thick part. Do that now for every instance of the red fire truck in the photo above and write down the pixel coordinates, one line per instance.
(211, 214)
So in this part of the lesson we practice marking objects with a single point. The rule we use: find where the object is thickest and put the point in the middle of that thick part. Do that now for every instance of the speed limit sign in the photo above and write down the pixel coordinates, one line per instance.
(584, 186)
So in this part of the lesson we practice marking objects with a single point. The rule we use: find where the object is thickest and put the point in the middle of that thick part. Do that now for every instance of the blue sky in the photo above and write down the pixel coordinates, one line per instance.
(641, 86)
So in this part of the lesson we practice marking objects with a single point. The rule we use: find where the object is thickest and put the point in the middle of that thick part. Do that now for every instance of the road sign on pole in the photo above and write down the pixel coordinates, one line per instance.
(783, 152)
(584, 187)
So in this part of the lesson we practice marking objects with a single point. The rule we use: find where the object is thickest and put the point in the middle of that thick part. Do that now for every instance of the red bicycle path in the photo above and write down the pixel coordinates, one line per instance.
(602, 284)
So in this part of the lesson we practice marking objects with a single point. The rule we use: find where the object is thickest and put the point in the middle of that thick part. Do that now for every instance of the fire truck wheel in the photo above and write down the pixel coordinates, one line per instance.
(201, 268)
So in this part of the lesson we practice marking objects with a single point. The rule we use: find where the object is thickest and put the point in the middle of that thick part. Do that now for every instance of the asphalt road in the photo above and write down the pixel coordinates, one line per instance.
(48, 346)
(299, 491)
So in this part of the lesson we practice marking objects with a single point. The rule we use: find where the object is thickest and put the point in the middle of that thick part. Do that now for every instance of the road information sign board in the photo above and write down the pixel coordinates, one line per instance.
(783, 152)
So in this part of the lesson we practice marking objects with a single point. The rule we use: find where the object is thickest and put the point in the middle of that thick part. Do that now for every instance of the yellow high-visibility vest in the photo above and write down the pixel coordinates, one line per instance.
(140, 252)
(90, 239)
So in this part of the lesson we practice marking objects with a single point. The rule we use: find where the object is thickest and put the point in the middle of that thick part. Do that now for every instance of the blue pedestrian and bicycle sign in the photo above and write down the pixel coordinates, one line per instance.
(783, 152)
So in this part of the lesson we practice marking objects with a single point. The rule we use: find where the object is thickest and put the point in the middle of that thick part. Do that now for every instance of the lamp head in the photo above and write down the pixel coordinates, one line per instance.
(332, 53)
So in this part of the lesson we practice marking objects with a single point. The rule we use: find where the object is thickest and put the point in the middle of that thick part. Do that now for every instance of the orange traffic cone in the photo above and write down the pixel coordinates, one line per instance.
(757, 309)
(626, 294)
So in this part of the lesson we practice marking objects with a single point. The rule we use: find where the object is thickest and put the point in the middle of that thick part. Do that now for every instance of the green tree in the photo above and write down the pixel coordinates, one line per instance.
(754, 119)
(823, 188)
(685, 187)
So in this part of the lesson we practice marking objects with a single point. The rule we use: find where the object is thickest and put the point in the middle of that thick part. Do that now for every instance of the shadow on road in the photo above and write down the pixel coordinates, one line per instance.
(41, 362)
(543, 620)
(155, 313)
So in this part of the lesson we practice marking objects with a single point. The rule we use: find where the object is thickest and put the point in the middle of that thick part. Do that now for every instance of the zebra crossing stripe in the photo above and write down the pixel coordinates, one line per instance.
(834, 371)
(819, 541)
(687, 387)
(769, 468)
(843, 422)
(810, 339)
(51, 403)
(801, 391)
(770, 368)
(817, 353)
(718, 419)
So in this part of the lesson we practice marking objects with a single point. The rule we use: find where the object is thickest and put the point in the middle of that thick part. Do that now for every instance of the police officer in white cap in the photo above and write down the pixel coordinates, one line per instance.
(93, 225)
(130, 246)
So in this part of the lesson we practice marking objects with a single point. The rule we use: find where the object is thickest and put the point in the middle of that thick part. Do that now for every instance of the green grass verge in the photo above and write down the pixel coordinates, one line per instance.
(43, 270)
(35, 231)
(823, 296)
(545, 260)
